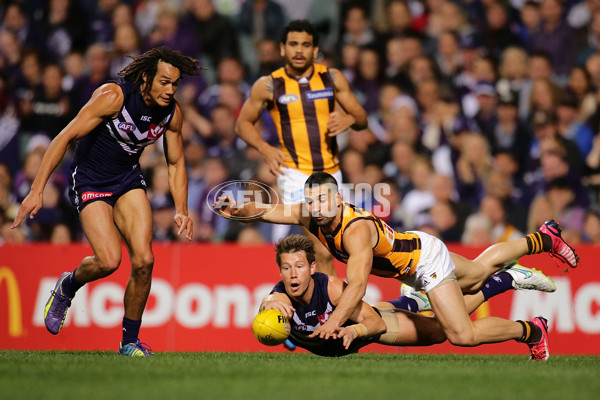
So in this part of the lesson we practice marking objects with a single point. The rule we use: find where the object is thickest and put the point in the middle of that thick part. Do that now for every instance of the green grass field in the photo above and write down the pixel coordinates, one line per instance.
(105, 375)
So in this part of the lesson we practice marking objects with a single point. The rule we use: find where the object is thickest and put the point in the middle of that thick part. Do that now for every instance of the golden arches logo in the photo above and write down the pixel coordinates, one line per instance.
(15, 321)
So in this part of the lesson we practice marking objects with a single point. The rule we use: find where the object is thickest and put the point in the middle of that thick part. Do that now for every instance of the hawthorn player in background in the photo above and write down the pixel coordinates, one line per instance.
(106, 184)
(302, 98)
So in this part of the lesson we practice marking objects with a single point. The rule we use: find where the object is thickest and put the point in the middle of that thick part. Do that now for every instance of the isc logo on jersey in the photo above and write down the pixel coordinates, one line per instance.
(126, 126)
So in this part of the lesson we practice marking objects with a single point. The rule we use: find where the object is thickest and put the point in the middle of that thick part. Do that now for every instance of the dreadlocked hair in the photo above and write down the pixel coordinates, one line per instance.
(147, 64)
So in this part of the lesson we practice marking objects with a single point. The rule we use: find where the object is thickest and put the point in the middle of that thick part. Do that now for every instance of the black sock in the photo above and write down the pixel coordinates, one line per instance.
(405, 303)
(70, 285)
(497, 284)
(131, 330)
(535, 242)
(531, 332)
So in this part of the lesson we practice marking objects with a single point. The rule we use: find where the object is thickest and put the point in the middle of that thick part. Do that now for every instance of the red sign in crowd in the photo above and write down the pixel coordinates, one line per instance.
(204, 298)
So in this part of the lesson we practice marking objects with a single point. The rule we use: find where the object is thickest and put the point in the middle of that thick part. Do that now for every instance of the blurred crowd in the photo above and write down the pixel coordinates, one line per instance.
(483, 114)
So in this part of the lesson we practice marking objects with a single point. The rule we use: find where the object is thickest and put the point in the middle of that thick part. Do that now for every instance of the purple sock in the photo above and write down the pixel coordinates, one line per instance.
(131, 329)
(497, 284)
(70, 285)
(405, 303)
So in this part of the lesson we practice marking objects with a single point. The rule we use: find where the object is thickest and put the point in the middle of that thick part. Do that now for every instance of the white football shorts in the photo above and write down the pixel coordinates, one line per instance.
(435, 264)
(291, 184)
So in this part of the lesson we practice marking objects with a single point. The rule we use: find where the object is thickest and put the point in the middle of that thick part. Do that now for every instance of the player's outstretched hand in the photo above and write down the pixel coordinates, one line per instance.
(339, 122)
(30, 205)
(326, 331)
(226, 207)
(348, 334)
(285, 308)
(275, 159)
(184, 223)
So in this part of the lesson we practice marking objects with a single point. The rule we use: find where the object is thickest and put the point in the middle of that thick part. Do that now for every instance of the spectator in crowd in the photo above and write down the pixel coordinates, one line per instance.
(510, 135)
(61, 29)
(216, 31)
(478, 231)
(499, 185)
(580, 85)
(169, 32)
(9, 129)
(502, 231)
(50, 108)
(514, 82)
(402, 157)
(530, 20)
(473, 167)
(368, 79)
(570, 127)
(127, 42)
(561, 196)
(591, 227)
(498, 34)
(10, 54)
(441, 221)
(356, 25)
(420, 197)
(261, 19)
(101, 29)
(554, 36)
(98, 70)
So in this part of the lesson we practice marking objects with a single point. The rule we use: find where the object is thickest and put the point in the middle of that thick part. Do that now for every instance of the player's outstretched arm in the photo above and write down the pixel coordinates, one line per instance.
(260, 96)
(178, 179)
(278, 301)
(357, 242)
(290, 214)
(355, 116)
(106, 101)
(367, 321)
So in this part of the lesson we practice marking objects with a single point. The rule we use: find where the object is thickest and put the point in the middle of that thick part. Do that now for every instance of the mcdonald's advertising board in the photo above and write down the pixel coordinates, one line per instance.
(204, 298)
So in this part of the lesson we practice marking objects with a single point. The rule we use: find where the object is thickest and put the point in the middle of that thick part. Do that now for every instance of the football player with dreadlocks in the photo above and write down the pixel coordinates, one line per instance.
(106, 184)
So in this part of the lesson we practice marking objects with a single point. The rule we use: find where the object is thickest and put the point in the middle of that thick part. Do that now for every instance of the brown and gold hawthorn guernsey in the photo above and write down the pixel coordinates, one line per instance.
(395, 255)
(300, 110)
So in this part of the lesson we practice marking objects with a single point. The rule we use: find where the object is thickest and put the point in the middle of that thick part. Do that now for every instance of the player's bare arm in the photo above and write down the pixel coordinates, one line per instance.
(278, 301)
(357, 242)
(368, 322)
(260, 96)
(178, 179)
(355, 116)
(106, 101)
(291, 214)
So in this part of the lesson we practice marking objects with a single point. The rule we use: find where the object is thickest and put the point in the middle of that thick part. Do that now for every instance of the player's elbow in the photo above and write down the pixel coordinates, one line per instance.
(380, 327)
(239, 127)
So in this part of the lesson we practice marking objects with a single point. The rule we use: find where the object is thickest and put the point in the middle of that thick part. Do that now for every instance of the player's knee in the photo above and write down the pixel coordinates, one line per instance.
(142, 264)
(465, 338)
(109, 262)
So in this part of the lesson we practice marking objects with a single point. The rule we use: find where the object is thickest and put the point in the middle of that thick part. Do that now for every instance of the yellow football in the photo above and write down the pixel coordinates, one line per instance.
(271, 327)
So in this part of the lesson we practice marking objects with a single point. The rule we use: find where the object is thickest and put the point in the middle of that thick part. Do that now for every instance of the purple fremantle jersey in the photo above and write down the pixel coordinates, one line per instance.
(309, 317)
(115, 145)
